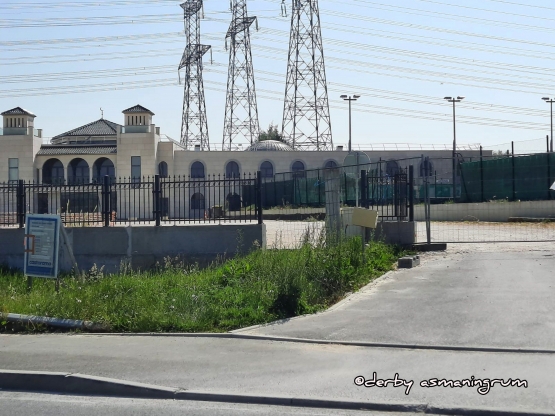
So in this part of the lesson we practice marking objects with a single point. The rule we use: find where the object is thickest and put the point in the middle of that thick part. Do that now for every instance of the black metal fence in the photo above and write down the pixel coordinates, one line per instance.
(389, 195)
(148, 200)
(375, 189)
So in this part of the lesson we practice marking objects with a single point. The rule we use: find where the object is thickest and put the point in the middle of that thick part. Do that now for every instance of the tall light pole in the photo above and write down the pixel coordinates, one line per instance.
(350, 99)
(454, 101)
(550, 101)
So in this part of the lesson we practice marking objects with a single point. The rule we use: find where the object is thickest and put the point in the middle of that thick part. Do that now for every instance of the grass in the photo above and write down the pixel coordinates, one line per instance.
(261, 287)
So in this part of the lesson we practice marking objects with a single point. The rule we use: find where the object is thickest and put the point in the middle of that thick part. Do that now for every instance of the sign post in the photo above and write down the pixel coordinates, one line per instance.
(42, 247)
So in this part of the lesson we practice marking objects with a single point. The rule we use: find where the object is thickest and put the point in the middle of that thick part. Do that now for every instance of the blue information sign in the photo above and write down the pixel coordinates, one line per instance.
(42, 246)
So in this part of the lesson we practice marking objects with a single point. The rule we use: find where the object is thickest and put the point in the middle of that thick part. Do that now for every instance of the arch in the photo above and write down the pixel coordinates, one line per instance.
(78, 172)
(163, 170)
(103, 167)
(232, 170)
(430, 167)
(267, 169)
(331, 164)
(298, 169)
(233, 202)
(197, 170)
(198, 201)
(53, 172)
(392, 168)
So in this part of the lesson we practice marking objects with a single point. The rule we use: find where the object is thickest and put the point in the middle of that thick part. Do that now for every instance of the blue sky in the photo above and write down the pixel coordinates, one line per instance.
(64, 60)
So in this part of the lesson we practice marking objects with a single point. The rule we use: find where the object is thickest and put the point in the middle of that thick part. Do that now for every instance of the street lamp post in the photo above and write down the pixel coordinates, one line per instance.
(350, 100)
(454, 101)
(550, 101)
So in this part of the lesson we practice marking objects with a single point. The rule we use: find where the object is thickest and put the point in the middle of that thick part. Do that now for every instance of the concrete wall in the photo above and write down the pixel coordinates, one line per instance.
(142, 247)
(391, 232)
(487, 211)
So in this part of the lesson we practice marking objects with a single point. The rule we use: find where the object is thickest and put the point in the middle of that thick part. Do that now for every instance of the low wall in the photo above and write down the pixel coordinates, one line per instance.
(391, 232)
(143, 247)
(487, 211)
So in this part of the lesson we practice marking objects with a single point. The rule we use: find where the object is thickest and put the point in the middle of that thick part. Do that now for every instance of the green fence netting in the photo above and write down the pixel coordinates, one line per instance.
(524, 178)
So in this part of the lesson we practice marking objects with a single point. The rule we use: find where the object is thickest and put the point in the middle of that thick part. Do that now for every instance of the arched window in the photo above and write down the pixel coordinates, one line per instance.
(267, 170)
(197, 171)
(232, 170)
(103, 167)
(298, 170)
(392, 168)
(53, 172)
(163, 170)
(78, 172)
(426, 165)
(198, 201)
(330, 164)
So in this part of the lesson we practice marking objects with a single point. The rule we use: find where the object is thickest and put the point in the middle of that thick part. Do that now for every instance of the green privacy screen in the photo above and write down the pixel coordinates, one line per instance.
(524, 178)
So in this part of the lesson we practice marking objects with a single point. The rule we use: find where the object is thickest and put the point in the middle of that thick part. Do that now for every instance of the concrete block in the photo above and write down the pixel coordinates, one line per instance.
(409, 262)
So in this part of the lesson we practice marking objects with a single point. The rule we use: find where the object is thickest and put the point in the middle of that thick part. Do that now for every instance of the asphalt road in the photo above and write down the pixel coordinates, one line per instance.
(266, 368)
(473, 299)
(25, 404)
(501, 299)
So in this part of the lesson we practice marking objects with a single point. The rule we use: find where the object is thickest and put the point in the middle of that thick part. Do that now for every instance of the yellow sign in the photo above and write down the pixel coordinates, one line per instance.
(365, 218)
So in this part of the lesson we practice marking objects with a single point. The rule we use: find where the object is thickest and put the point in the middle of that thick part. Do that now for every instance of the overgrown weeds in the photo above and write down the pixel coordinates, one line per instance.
(260, 287)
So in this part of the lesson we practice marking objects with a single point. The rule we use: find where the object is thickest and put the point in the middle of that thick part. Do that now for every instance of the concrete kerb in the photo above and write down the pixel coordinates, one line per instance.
(83, 385)
(360, 344)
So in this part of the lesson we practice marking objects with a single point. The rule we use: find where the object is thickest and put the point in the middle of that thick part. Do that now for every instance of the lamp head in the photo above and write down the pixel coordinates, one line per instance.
(461, 98)
(545, 98)
(356, 97)
(448, 98)
(344, 96)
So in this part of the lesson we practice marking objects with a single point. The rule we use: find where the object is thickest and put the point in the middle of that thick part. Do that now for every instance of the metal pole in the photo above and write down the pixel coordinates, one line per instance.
(551, 125)
(21, 203)
(106, 192)
(454, 151)
(411, 193)
(259, 196)
(350, 131)
(427, 204)
(481, 175)
(513, 165)
(157, 202)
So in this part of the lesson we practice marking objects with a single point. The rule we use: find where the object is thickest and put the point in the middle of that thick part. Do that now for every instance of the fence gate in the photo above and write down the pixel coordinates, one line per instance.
(493, 221)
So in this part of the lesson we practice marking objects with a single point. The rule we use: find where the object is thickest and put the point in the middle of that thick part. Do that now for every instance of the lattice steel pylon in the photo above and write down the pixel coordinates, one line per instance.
(241, 111)
(194, 127)
(306, 113)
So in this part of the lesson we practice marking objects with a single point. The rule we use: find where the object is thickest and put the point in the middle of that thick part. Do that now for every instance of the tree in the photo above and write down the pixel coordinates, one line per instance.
(500, 153)
(271, 134)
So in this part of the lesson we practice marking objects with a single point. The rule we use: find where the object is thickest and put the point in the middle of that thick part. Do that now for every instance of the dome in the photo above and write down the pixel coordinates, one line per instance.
(270, 146)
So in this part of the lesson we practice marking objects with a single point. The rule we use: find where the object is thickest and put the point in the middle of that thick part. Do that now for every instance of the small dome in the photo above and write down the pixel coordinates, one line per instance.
(269, 146)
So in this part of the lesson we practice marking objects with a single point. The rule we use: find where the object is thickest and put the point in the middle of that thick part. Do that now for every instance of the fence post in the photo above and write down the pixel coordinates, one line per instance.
(106, 212)
(157, 191)
(363, 188)
(513, 169)
(481, 175)
(411, 193)
(259, 196)
(548, 177)
(21, 203)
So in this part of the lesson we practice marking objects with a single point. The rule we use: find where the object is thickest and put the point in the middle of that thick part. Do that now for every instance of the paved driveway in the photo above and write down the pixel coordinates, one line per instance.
(502, 299)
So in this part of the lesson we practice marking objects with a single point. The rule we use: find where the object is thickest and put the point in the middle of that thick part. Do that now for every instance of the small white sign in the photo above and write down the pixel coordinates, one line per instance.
(365, 218)
(552, 187)
(42, 246)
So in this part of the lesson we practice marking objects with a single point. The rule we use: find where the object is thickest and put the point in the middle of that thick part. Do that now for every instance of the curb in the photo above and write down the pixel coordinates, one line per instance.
(238, 336)
(54, 322)
(78, 384)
